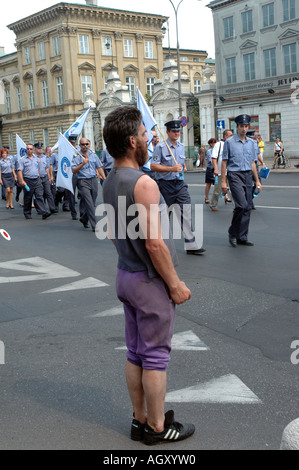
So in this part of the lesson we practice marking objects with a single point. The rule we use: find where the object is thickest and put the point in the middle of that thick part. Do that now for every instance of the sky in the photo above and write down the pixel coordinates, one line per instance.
(195, 22)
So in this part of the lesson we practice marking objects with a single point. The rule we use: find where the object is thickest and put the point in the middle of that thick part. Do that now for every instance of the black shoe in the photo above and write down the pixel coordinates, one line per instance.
(85, 224)
(173, 431)
(66, 210)
(198, 252)
(45, 216)
(137, 430)
(232, 241)
(245, 243)
(28, 217)
(74, 218)
(54, 211)
(17, 198)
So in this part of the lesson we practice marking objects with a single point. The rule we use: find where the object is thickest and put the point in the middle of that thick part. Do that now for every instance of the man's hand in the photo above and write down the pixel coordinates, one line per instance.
(180, 293)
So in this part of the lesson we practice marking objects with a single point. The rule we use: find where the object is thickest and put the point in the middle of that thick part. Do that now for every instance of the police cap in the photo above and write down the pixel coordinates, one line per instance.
(243, 119)
(38, 145)
(72, 138)
(173, 125)
(250, 133)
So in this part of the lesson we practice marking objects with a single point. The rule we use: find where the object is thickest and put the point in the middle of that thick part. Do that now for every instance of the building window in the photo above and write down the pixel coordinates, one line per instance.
(288, 7)
(86, 82)
(130, 82)
(19, 99)
(274, 126)
(128, 47)
(45, 93)
(106, 40)
(290, 60)
(59, 84)
(231, 75)
(196, 59)
(270, 62)
(41, 50)
(149, 49)
(31, 96)
(184, 59)
(27, 55)
(247, 22)
(83, 44)
(197, 84)
(268, 15)
(32, 137)
(249, 66)
(46, 137)
(228, 24)
(56, 46)
(7, 101)
(150, 85)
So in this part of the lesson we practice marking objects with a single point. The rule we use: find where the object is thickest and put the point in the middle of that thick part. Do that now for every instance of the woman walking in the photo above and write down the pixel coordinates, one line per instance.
(7, 176)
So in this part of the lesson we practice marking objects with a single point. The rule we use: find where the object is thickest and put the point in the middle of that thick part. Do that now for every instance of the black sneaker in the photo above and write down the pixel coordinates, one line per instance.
(173, 431)
(137, 429)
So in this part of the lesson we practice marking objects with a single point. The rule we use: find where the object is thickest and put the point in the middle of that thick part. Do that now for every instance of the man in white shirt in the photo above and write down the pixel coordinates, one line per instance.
(217, 162)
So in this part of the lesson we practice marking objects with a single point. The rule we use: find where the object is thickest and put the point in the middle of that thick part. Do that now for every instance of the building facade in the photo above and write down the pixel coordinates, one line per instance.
(66, 50)
(257, 66)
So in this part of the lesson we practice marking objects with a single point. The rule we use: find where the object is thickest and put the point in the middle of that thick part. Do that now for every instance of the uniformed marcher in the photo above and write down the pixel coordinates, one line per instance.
(88, 169)
(45, 175)
(170, 179)
(107, 161)
(239, 160)
(28, 174)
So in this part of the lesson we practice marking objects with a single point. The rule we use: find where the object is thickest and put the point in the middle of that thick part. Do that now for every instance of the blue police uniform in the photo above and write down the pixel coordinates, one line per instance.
(239, 156)
(88, 187)
(107, 161)
(43, 166)
(7, 176)
(173, 187)
(30, 169)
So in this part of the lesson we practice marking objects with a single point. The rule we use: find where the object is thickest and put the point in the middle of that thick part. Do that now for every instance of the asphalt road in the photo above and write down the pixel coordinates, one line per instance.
(62, 384)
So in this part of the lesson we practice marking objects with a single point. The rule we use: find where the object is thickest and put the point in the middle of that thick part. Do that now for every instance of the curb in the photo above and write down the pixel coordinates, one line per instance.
(290, 436)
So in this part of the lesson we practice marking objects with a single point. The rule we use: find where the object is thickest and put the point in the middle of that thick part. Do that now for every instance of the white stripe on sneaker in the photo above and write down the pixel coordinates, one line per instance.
(171, 435)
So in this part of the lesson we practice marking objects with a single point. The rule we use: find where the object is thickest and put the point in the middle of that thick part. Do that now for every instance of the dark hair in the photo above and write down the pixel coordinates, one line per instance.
(121, 124)
(212, 141)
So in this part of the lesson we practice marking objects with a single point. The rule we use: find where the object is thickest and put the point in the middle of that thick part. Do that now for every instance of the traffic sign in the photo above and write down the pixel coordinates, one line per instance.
(220, 125)
(184, 121)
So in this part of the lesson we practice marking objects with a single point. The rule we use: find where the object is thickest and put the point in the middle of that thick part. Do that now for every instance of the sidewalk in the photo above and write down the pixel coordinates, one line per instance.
(294, 168)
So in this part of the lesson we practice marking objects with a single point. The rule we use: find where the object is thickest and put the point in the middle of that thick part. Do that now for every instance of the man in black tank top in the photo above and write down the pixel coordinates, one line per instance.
(147, 282)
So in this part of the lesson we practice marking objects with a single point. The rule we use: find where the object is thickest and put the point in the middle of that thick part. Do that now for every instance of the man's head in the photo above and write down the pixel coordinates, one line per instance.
(38, 147)
(29, 150)
(173, 129)
(156, 139)
(125, 133)
(84, 144)
(72, 140)
(242, 122)
(227, 134)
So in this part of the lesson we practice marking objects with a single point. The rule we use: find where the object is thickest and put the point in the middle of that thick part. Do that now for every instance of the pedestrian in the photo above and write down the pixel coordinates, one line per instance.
(28, 175)
(147, 282)
(239, 160)
(217, 154)
(107, 161)
(87, 168)
(261, 145)
(170, 178)
(45, 176)
(8, 176)
(201, 156)
(278, 149)
(210, 178)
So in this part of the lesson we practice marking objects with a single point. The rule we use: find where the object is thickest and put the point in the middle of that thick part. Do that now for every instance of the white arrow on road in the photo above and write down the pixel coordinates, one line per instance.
(45, 269)
(226, 389)
(87, 283)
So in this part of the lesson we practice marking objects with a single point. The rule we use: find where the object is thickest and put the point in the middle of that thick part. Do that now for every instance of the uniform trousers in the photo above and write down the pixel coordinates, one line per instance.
(88, 189)
(175, 192)
(240, 183)
(36, 190)
(47, 192)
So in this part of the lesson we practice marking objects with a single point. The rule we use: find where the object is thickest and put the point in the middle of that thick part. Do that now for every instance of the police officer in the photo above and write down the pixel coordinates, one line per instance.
(239, 160)
(45, 175)
(28, 174)
(87, 169)
(169, 177)
(107, 161)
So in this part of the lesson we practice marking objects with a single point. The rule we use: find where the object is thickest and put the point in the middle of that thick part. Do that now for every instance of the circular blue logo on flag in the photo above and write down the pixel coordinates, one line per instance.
(65, 167)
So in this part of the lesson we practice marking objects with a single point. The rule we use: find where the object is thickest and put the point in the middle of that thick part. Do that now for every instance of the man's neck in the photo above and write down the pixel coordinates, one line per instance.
(242, 137)
(173, 141)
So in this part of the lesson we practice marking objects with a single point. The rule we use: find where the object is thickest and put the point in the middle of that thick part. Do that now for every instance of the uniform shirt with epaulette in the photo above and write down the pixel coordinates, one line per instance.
(162, 156)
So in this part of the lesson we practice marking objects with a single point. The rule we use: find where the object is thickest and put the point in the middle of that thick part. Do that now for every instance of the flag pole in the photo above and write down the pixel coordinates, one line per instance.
(167, 144)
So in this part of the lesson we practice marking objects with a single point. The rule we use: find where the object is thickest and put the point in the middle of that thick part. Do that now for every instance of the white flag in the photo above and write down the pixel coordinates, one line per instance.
(75, 128)
(66, 153)
(149, 123)
(21, 147)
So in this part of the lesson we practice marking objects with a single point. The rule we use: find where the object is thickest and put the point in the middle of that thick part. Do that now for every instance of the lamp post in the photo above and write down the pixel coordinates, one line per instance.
(108, 45)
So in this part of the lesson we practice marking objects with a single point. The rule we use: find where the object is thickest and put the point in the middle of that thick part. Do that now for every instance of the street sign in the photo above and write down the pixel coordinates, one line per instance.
(220, 125)
(184, 121)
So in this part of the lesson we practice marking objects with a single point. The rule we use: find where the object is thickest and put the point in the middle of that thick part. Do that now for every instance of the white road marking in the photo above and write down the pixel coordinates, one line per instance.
(46, 270)
(184, 341)
(199, 185)
(87, 283)
(278, 207)
(225, 389)
(110, 313)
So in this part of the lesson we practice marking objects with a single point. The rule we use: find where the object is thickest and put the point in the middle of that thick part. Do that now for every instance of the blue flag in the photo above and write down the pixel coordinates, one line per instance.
(75, 128)
(149, 123)
(21, 147)
(66, 154)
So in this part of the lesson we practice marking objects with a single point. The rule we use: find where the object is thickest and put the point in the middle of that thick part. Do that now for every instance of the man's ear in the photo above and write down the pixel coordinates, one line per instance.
(133, 141)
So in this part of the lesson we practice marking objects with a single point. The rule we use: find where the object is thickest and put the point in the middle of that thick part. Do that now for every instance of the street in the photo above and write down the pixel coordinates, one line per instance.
(62, 383)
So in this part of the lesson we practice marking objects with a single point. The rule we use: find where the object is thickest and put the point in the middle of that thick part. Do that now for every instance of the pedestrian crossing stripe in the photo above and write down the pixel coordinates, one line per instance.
(88, 283)
(184, 341)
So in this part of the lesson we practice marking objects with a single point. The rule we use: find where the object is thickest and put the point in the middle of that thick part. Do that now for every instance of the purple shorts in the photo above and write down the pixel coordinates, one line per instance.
(149, 319)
